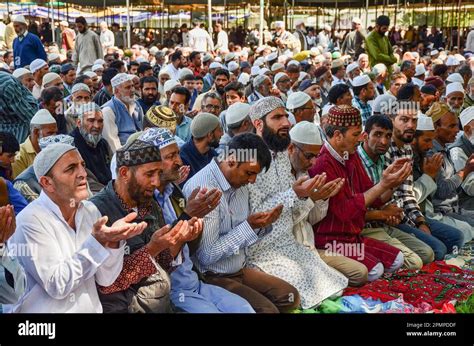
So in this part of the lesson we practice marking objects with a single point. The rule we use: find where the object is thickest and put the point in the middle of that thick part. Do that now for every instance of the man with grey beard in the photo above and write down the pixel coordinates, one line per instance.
(92, 147)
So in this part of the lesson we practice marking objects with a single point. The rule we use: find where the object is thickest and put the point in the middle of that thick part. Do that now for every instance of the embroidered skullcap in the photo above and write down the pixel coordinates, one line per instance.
(437, 110)
(264, 106)
(65, 139)
(160, 116)
(204, 123)
(86, 108)
(259, 80)
(467, 116)
(160, 137)
(206, 57)
(47, 158)
(184, 72)
(351, 67)
(424, 123)
(137, 153)
(344, 116)
(120, 79)
(305, 132)
(229, 57)
(254, 70)
(80, 87)
(92, 74)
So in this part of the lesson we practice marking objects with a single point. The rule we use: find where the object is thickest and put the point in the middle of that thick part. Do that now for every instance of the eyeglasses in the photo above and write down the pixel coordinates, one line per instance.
(212, 107)
(307, 156)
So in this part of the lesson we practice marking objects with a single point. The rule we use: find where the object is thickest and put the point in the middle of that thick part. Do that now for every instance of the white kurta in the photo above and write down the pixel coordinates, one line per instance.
(63, 265)
(278, 253)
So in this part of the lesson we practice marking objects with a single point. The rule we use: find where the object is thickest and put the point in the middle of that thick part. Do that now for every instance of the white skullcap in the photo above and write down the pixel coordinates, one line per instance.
(454, 87)
(294, 62)
(99, 62)
(263, 71)
(97, 67)
(80, 87)
(37, 64)
(434, 52)
(459, 57)
(299, 22)
(53, 56)
(356, 20)
(361, 80)
(277, 66)
(351, 67)
(42, 117)
(64, 23)
(254, 71)
(49, 77)
(279, 76)
(314, 51)
(302, 76)
(90, 74)
(170, 85)
(140, 60)
(337, 63)
(452, 61)
(206, 57)
(218, 59)
(363, 55)
(229, 57)
(259, 62)
(215, 65)
(47, 158)
(264, 106)
(279, 24)
(305, 132)
(20, 19)
(45, 141)
(184, 72)
(455, 77)
(378, 69)
(163, 71)
(425, 123)
(20, 72)
(327, 27)
(237, 112)
(260, 49)
(258, 80)
(383, 104)
(320, 58)
(420, 70)
(244, 78)
(296, 100)
(233, 66)
(467, 116)
(120, 79)
(271, 56)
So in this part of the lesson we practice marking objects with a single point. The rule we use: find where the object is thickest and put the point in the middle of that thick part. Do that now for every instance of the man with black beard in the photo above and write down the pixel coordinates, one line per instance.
(206, 133)
(149, 91)
(92, 147)
(221, 79)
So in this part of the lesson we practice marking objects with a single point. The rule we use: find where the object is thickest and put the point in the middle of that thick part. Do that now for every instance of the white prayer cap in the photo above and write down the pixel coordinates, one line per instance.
(184, 72)
(383, 103)
(20, 72)
(327, 27)
(455, 77)
(99, 62)
(467, 116)
(47, 158)
(91, 74)
(302, 76)
(454, 87)
(279, 24)
(254, 70)
(337, 63)
(277, 66)
(306, 133)
(378, 69)
(263, 71)
(42, 117)
(237, 112)
(20, 19)
(120, 79)
(170, 85)
(45, 141)
(80, 87)
(97, 67)
(420, 70)
(53, 56)
(259, 62)
(351, 67)
(314, 51)
(425, 123)
(37, 64)
(218, 59)
(434, 52)
(244, 78)
(361, 80)
(264, 106)
(271, 56)
(452, 61)
(233, 66)
(320, 58)
(206, 57)
(296, 100)
(459, 57)
(299, 22)
(63, 23)
(215, 65)
(294, 62)
(49, 77)
(259, 49)
(229, 57)
(356, 20)
(140, 60)
(163, 71)
(279, 76)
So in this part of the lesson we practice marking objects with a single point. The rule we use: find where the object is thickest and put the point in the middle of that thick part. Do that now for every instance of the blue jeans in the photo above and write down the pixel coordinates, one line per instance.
(443, 239)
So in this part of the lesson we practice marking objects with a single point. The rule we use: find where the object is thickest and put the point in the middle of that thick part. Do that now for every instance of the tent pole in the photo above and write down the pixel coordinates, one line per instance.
(367, 14)
(209, 16)
(260, 39)
(52, 21)
(129, 38)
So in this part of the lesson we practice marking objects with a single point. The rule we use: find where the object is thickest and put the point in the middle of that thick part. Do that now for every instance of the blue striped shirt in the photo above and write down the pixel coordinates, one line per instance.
(226, 233)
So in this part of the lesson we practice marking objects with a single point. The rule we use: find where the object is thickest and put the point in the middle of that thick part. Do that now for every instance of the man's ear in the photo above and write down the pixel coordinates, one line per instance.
(123, 172)
(46, 183)
(365, 136)
(291, 148)
(258, 124)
